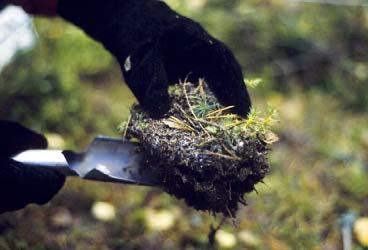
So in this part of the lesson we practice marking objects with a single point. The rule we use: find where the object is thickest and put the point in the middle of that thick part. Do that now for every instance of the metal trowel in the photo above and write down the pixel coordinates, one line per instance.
(106, 159)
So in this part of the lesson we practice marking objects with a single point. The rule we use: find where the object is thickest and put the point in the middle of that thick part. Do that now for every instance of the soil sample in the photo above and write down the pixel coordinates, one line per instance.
(206, 155)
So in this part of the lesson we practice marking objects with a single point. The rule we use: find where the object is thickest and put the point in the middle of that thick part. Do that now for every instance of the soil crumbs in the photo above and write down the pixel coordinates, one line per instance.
(206, 155)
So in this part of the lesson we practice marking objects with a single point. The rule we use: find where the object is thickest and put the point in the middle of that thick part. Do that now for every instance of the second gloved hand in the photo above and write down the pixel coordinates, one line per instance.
(21, 185)
(156, 46)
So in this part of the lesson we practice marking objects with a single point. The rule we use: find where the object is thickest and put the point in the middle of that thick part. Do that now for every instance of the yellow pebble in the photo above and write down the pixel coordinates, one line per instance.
(225, 239)
(103, 211)
(361, 231)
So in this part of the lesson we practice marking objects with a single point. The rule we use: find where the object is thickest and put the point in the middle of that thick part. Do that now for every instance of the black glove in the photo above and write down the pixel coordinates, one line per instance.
(20, 185)
(156, 46)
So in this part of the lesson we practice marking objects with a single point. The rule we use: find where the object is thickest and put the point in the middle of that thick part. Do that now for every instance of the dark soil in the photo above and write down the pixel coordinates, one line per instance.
(203, 158)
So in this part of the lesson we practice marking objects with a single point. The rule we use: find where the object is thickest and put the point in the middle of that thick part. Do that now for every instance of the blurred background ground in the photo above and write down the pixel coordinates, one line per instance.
(313, 59)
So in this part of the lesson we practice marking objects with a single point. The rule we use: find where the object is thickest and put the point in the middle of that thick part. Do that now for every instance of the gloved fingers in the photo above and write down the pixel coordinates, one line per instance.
(145, 75)
(218, 66)
(189, 51)
(16, 138)
(21, 185)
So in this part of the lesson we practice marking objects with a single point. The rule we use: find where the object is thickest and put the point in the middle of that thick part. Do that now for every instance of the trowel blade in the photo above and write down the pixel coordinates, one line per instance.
(106, 159)
(112, 160)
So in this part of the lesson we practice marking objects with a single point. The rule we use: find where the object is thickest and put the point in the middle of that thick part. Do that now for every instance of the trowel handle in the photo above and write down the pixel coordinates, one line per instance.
(52, 159)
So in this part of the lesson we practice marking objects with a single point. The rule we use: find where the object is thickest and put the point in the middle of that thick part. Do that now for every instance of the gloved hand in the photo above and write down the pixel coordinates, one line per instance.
(156, 46)
(20, 185)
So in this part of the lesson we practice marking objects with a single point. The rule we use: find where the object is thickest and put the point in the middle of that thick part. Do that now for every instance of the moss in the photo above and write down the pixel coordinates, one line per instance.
(206, 155)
